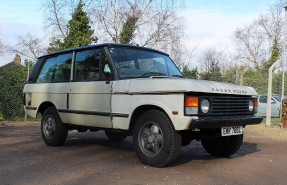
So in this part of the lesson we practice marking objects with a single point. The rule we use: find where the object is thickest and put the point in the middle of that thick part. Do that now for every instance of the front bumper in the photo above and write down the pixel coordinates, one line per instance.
(224, 121)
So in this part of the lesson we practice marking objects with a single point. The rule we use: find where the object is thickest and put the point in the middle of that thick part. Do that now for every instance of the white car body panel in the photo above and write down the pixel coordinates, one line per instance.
(187, 85)
(103, 86)
(124, 98)
(275, 107)
(166, 93)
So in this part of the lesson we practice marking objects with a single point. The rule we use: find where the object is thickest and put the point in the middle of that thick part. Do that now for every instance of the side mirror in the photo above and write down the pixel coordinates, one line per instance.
(107, 71)
(273, 102)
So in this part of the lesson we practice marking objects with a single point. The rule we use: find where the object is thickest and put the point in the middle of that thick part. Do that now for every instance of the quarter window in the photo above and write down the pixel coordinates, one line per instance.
(56, 69)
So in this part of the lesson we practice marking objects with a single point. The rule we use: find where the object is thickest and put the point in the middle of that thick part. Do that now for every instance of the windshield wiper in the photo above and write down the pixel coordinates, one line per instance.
(150, 74)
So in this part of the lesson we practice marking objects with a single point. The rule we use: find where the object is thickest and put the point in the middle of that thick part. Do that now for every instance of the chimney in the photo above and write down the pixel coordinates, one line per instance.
(17, 59)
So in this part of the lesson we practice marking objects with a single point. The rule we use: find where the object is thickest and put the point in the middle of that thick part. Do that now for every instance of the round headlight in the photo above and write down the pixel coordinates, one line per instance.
(251, 105)
(204, 105)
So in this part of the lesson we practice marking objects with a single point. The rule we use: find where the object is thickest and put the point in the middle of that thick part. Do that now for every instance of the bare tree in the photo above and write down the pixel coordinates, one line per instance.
(211, 64)
(254, 42)
(111, 15)
(57, 13)
(154, 24)
(250, 45)
(272, 22)
(28, 46)
(210, 59)
(151, 23)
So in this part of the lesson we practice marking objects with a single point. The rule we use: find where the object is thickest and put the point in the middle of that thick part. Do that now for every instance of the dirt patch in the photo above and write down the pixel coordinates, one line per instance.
(273, 133)
(90, 158)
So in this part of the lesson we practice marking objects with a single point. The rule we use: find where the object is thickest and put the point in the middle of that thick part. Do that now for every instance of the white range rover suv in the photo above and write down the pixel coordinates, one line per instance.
(130, 90)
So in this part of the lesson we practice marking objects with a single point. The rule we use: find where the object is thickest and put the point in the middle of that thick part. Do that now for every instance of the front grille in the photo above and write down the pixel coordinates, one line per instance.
(229, 105)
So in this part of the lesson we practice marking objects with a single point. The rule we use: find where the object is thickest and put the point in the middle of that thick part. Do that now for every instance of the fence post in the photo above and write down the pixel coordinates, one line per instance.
(28, 73)
(268, 114)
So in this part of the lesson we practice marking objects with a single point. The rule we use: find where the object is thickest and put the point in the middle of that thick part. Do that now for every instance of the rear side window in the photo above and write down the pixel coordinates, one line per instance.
(56, 69)
(87, 65)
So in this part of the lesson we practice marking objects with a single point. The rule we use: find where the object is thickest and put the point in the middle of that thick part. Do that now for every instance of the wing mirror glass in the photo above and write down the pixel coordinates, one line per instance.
(107, 70)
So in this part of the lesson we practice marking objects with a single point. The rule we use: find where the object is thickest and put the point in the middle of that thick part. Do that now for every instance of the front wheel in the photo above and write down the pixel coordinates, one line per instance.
(54, 132)
(222, 146)
(156, 141)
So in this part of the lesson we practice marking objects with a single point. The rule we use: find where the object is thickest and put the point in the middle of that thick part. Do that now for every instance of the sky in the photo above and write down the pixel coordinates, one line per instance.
(208, 23)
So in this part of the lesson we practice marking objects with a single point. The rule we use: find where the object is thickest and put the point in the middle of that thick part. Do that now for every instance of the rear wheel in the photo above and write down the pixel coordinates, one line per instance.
(115, 136)
(156, 141)
(222, 146)
(54, 132)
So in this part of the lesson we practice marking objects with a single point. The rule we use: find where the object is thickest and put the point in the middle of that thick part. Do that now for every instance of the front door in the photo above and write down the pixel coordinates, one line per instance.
(90, 92)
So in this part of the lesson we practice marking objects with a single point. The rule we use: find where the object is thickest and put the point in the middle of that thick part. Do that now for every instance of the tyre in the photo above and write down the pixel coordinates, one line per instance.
(186, 137)
(82, 129)
(54, 132)
(222, 146)
(155, 139)
(115, 136)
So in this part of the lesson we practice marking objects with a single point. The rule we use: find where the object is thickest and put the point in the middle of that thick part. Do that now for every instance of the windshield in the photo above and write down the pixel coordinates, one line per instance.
(135, 63)
(277, 97)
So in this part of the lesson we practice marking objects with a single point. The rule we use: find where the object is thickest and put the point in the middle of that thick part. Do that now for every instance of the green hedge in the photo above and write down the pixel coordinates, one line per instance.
(12, 83)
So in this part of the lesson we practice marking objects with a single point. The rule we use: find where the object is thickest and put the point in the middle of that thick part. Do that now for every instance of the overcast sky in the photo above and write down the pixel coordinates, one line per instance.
(209, 23)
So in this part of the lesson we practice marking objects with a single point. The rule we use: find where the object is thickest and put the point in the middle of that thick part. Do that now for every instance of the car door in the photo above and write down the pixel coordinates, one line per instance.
(90, 91)
(275, 107)
(262, 105)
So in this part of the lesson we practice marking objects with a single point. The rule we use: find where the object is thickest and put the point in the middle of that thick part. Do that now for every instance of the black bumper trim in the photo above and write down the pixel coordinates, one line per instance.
(95, 113)
(224, 121)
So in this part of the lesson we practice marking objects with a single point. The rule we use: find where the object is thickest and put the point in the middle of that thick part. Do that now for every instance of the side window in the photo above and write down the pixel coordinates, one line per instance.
(263, 99)
(87, 65)
(56, 69)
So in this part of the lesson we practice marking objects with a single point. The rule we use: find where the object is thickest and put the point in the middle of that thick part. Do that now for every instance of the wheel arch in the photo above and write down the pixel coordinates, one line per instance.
(139, 111)
(44, 106)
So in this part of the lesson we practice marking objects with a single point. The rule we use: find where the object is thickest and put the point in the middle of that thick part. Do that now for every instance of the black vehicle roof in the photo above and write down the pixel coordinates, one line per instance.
(103, 45)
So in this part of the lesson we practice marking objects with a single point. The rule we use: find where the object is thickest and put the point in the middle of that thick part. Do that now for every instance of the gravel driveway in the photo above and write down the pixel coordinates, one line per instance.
(90, 158)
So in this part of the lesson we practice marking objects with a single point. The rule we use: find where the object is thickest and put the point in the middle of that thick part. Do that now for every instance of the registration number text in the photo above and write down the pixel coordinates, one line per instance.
(230, 131)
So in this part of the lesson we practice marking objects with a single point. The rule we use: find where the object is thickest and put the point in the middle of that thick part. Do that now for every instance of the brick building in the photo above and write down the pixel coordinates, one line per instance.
(15, 63)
